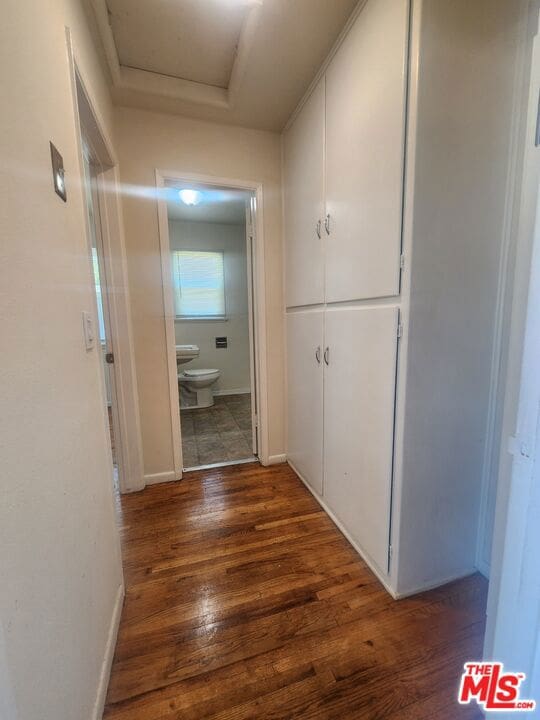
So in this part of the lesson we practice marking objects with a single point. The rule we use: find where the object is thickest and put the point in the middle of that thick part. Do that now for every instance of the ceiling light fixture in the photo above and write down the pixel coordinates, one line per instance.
(190, 197)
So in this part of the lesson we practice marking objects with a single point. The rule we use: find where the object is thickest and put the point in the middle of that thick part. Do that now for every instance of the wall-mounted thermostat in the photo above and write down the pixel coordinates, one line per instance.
(58, 173)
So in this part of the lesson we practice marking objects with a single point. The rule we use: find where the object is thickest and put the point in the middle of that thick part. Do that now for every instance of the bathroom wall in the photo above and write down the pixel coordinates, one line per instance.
(60, 568)
(149, 140)
(233, 361)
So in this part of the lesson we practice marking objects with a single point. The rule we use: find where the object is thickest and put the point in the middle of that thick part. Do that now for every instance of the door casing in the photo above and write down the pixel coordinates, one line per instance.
(258, 304)
(128, 440)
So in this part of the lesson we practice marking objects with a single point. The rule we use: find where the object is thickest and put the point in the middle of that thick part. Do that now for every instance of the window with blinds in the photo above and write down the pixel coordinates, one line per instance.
(199, 284)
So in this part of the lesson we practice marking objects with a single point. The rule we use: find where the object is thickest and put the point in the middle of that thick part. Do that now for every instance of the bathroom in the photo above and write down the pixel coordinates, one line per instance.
(213, 322)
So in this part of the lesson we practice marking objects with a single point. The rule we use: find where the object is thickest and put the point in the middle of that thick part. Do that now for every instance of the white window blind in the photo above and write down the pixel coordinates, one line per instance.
(199, 284)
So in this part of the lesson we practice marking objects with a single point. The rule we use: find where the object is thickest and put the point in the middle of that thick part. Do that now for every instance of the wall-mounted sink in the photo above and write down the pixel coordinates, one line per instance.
(185, 353)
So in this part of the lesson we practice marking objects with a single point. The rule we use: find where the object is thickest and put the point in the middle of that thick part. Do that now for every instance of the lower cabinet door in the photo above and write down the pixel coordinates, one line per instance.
(305, 395)
(359, 398)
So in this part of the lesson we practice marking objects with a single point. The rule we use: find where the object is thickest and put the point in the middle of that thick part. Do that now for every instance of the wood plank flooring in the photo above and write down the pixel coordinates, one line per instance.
(244, 601)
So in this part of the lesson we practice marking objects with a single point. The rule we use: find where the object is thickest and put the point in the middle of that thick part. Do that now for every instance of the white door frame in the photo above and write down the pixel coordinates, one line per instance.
(513, 601)
(128, 442)
(259, 304)
(251, 212)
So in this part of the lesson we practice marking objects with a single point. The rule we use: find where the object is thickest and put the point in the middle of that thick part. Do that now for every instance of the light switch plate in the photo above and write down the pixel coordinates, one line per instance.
(88, 330)
(58, 173)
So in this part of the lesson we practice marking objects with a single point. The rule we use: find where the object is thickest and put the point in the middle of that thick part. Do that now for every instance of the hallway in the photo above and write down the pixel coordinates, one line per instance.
(239, 588)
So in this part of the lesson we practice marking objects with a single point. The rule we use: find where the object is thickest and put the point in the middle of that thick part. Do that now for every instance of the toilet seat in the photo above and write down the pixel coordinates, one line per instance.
(199, 372)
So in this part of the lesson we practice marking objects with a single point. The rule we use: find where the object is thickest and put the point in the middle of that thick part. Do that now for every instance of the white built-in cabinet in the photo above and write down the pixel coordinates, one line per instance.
(341, 370)
(386, 404)
(305, 337)
(343, 189)
(303, 217)
(359, 393)
(343, 168)
(365, 126)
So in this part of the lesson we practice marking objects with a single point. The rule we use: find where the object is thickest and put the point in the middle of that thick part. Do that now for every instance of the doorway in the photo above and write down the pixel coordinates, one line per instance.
(208, 245)
(110, 315)
(103, 334)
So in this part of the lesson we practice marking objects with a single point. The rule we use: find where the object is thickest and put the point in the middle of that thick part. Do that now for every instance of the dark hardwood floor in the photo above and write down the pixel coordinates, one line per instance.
(244, 601)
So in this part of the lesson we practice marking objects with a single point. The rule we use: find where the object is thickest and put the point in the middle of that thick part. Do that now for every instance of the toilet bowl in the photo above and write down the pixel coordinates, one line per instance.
(196, 387)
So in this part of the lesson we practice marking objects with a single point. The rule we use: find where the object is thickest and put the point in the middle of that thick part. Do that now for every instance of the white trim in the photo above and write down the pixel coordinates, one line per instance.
(126, 418)
(276, 460)
(161, 477)
(106, 665)
(153, 83)
(284, 298)
(482, 567)
(228, 463)
(376, 571)
(123, 373)
(169, 317)
(259, 304)
(384, 580)
(405, 286)
(249, 232)
(511, 568)
(234, 391)
(435, 584)
(503, 303)
(204, 319)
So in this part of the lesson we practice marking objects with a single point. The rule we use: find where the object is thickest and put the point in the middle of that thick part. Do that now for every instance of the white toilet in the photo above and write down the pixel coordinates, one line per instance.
(196, 387)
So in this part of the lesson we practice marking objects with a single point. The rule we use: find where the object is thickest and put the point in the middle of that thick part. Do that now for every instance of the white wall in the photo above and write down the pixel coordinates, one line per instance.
(233, 361)
(146, 141)
(59, 554)
(465, 83)
(513, 601)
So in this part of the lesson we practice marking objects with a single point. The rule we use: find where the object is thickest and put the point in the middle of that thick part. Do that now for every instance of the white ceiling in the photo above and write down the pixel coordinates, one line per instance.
(218, 205)
(187, 50)
(186, 39)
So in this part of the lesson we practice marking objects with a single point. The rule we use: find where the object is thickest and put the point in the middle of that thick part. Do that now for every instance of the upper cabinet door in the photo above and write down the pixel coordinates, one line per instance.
(365, 130)
(304, 204)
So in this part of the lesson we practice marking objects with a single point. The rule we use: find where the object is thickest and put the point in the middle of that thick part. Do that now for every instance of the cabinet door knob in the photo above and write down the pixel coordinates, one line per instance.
(327, 224)
(318, 229)
(318, 354)
(327, 355)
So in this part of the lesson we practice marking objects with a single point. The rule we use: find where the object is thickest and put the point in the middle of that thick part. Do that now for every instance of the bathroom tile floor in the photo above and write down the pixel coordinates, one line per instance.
(221, 433)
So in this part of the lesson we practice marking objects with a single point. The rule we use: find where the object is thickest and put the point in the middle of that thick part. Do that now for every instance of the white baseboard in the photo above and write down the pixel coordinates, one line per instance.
(483, 568)
(374, 569)
(436, 583)
(162, 477)
(277, 459)
(234, 391)
(106, 665)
